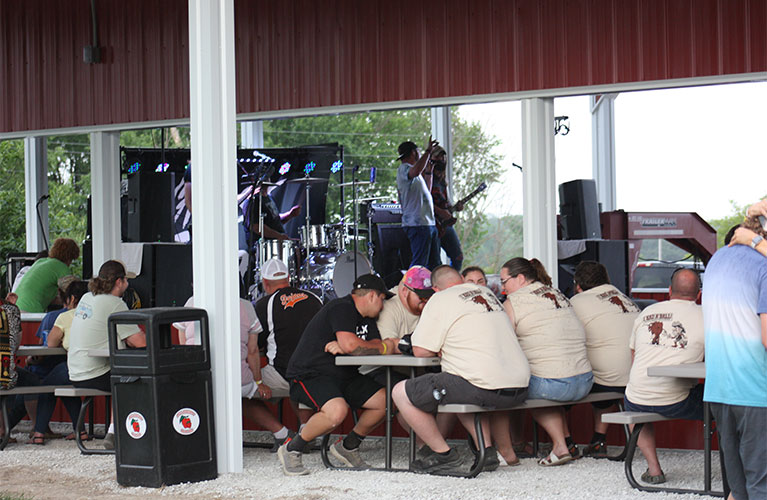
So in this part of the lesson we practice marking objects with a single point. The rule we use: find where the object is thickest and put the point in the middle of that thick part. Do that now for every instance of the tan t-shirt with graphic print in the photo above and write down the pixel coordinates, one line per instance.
(666, 333)
(468, 325)
(395, 321)
(608, 318)
(549, 332)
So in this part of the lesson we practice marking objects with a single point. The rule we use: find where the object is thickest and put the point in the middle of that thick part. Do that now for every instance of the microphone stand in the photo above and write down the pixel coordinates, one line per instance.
(40, 218)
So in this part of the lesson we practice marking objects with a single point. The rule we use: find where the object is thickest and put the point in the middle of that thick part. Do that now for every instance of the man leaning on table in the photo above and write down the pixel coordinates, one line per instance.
(735, 321)
(666, 333)
(482, 363)
(343, 326)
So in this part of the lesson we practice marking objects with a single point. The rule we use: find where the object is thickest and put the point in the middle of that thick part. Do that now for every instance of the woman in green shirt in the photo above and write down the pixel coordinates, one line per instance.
(38, 287)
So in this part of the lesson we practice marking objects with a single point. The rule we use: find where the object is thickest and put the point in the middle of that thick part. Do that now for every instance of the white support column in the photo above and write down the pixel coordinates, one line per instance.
(252, 134)
(441, 130)
(36, 181)
(105, 197)
(214, 143)
(539, 228)
(603, 148)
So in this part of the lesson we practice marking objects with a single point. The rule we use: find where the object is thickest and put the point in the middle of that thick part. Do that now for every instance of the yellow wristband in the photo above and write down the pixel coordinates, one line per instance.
(384, 351)
(259, 382)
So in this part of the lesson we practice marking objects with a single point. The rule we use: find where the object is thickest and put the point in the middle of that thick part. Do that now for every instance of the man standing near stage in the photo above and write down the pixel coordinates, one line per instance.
(448, 237)
(414, 188)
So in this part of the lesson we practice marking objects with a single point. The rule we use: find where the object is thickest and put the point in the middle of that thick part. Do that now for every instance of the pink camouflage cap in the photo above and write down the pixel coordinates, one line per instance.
(418, 280)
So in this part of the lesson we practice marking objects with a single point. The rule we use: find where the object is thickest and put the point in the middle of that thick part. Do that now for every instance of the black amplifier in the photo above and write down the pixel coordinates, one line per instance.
(385, 213)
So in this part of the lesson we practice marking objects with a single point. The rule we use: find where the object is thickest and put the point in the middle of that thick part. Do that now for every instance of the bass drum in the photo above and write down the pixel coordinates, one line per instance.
(331, 274)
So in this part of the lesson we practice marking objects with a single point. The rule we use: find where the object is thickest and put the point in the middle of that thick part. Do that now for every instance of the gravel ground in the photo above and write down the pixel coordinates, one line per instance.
(60, 472)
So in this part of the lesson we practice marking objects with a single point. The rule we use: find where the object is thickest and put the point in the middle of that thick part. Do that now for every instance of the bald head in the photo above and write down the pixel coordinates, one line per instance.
(443, 277)
(685, 285)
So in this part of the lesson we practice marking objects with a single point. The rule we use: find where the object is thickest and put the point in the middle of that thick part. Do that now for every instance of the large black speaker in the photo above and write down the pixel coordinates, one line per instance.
(166, 275)
(579, 210)
(613, 254)
(150, 206)
(391, 252)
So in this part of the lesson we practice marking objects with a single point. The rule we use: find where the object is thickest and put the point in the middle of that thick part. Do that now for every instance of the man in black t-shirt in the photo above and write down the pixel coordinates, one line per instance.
(283, 313)
(343, 326)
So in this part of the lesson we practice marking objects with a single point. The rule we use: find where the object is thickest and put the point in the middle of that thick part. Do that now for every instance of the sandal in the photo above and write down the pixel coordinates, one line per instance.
(553, 460)
(38, 439)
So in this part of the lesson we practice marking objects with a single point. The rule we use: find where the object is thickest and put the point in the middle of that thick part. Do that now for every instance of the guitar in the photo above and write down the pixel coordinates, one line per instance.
(443, 224)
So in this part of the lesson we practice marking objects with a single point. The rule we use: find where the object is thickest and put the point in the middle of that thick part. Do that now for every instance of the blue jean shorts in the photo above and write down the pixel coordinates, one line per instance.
(690, 408)
(560, 389)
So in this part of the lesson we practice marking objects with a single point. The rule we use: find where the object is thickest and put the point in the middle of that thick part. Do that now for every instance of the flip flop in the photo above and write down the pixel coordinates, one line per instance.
(553, 460)
(38, 440)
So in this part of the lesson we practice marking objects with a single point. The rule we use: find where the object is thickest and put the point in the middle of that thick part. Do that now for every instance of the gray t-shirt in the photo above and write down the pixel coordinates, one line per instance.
(415, 198)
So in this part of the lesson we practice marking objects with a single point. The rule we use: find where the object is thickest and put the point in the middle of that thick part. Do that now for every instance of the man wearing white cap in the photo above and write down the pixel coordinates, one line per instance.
(283, 314)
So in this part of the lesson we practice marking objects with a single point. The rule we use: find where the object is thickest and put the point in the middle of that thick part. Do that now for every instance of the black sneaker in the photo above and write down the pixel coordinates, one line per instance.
(491, 460)
(574, 452)
(596, 450)
(423, 452)
(438, 464)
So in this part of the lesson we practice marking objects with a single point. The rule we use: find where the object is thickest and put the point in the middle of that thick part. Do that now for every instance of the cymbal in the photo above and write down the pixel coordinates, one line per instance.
(307, 180)
(346, 184)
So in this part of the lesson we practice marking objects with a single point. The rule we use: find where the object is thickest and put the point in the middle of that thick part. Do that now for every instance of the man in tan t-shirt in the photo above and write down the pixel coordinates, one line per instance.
(608, 318)
(482, 363)
(666, 333)
(400, 314)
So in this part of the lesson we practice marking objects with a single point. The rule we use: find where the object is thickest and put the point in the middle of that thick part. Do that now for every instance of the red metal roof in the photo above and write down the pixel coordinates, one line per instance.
(313, 53)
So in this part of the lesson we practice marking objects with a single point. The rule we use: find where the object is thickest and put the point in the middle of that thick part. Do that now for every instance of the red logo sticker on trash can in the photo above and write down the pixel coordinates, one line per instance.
(186, 421)
(135, 424)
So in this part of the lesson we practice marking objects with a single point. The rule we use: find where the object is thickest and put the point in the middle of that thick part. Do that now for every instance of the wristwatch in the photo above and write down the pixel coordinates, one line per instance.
(757, 239)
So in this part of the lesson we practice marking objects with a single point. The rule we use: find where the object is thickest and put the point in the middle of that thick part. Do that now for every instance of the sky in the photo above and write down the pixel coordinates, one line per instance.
(679, 150)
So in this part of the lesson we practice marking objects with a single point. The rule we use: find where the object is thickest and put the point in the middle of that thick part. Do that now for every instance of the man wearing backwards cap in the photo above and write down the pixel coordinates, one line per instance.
(414, 189)
(343, 326)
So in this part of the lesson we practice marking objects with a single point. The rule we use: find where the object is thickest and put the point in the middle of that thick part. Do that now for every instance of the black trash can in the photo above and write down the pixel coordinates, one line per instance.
(163, 401)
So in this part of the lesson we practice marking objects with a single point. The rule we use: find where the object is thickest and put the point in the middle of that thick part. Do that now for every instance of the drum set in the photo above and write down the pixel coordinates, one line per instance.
(319, 261)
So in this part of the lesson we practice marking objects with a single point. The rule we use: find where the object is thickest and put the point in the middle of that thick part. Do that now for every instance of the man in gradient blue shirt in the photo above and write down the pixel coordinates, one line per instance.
(735, 324)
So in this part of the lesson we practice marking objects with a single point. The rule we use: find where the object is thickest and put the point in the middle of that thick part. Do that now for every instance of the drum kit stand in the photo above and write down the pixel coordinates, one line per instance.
(318, 261)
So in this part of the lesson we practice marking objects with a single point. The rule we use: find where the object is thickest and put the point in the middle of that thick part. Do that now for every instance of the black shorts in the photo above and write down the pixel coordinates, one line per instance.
(315, 392)
(102, 383)
(428, 391)
(605, 388)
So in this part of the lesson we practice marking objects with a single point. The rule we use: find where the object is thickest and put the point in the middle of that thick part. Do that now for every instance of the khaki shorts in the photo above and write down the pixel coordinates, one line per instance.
(270, 377)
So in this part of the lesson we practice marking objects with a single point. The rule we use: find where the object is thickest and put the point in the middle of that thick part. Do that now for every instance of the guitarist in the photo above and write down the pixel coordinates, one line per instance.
(443, 209)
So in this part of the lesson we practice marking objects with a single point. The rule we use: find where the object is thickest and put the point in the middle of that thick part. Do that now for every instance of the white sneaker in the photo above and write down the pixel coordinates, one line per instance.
(292, 463)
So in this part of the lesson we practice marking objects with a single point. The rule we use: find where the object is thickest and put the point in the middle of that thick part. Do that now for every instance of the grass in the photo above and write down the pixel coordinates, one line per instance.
(4, 495)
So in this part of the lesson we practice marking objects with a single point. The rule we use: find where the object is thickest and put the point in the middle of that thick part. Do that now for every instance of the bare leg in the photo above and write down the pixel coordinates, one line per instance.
(646, 443)
(330, 416)
(424, 424)
(599, 426)
(261, 415)
(467, 420)
(551, 419)
(499, 428)
(303, 415)
(373, 414)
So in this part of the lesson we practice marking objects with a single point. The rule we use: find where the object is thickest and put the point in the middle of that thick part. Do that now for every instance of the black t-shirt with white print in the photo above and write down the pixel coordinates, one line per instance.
(310, 359)
(284, 315)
